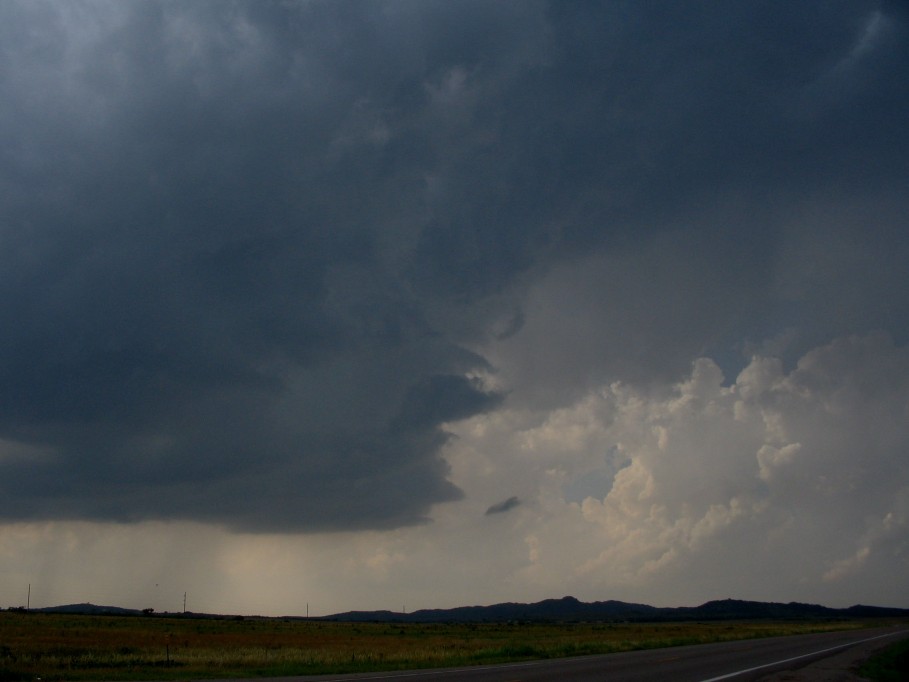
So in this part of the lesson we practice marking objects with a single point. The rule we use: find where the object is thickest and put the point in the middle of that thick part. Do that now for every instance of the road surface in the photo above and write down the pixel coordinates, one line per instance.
(735, 661)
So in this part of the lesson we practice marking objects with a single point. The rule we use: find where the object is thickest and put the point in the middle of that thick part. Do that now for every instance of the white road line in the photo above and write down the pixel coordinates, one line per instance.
(795, 658)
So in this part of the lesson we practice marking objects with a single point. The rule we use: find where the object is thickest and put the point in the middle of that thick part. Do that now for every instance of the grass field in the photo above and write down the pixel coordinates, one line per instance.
(68, 647)
(891, 665)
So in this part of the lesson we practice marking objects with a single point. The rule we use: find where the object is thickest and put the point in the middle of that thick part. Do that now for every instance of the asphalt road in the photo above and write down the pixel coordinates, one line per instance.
(737, 661)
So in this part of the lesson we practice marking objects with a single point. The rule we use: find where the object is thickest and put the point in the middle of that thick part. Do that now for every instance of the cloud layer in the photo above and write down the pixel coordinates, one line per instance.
(778, 485)
(796, 479)
(265, 265)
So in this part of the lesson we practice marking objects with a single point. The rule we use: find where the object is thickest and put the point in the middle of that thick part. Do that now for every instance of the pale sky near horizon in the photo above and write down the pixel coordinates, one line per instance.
(420, 304)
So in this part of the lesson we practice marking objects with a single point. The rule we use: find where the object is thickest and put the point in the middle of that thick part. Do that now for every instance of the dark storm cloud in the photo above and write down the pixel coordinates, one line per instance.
(503, 506)
(246, 247)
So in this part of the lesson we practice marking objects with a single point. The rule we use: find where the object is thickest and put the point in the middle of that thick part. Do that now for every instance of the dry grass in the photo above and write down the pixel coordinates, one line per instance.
(66, 647)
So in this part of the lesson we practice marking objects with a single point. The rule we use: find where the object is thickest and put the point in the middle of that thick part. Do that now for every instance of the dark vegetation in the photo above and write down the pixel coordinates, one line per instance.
(890, 665)
(72, 646)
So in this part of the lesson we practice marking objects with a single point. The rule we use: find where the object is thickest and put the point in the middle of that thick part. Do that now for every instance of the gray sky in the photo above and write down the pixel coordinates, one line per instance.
(363, 304)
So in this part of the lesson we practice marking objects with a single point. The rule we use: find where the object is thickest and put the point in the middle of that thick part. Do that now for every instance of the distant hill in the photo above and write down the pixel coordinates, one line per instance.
(89, 609)
(570, 609)
(566, 609)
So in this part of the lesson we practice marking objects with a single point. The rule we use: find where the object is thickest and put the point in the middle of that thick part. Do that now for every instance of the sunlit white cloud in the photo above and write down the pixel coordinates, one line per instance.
(724, 479)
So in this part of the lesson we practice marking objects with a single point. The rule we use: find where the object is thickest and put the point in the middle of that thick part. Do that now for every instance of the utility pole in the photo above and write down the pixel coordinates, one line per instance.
(184, 602)
(28, 600)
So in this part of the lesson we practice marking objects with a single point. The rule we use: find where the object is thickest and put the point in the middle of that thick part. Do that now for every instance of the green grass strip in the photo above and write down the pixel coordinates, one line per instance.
(890, 665)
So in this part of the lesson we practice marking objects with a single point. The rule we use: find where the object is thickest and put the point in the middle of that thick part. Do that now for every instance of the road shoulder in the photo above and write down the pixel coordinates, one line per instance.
(840, 667)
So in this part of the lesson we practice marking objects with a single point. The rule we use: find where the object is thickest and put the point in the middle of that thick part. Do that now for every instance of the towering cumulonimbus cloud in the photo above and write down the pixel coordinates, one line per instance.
(775, 483)
(257, 257)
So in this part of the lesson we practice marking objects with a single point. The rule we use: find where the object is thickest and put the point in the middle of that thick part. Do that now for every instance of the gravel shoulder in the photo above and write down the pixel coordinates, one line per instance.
(840, 667)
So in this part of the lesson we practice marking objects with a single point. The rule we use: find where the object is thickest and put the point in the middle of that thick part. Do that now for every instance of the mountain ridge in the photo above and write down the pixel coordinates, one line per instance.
(565, 609)
(571, 609)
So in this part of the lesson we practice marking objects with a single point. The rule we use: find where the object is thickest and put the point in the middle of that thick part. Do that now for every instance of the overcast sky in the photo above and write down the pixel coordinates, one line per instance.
(422, 304)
